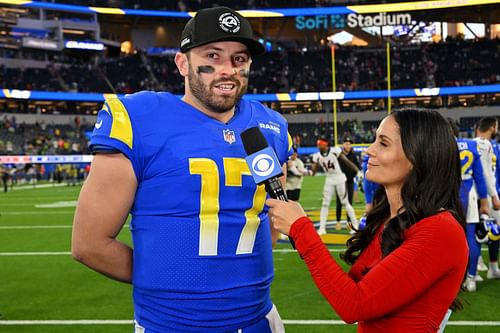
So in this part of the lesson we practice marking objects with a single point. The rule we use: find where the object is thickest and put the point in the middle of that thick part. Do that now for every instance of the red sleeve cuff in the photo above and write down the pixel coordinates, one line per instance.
(305, 236)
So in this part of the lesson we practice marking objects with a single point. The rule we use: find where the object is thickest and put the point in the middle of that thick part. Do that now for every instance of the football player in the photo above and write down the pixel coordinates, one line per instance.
(473, 187)
(328, 158)
(370, 188)
(202, 248)
(295, 175)
(486, 130)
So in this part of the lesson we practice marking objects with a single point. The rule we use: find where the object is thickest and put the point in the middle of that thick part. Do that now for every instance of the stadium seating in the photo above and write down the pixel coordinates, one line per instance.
(452, 63)
(41, 138)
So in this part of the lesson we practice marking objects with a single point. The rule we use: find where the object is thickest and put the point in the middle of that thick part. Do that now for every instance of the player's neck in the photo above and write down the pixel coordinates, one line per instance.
(484, 135)
(223, 117)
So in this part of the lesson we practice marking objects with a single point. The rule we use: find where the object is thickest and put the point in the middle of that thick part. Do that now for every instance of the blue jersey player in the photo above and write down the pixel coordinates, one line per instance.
(202, 243)
(472, 189)
(369, 188)
(496, 163)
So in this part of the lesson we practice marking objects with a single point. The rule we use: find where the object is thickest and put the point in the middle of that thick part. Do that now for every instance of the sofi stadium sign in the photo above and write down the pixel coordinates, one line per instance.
(350, 21)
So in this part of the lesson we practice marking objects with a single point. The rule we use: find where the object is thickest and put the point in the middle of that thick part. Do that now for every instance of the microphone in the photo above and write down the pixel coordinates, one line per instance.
(263, 164)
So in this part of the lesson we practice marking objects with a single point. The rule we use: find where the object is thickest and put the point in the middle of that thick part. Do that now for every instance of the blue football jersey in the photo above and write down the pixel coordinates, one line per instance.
(200, 231)
(496, 162)
(368, 186)
(472, 170)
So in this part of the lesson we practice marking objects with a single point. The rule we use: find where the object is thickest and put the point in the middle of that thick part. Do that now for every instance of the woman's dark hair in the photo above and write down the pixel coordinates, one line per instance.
(432, 184)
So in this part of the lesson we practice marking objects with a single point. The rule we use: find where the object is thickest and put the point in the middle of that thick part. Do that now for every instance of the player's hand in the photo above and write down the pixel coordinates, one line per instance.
(495, 203)
(283, 214)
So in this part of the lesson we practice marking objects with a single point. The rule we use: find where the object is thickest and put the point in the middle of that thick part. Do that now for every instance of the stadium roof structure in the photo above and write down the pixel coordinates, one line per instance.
(281, 25)
(409, 6)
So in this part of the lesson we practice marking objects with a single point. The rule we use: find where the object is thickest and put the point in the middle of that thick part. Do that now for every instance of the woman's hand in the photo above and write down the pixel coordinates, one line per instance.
(284, 213)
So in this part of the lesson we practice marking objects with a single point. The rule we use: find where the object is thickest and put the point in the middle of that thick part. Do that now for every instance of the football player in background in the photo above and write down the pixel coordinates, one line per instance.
(295, 175)
(486, 130)
(202, 247)
(496, 172)
(328, 158)
(350, 175)
(473, 187)
(496, 151)
(369, 188)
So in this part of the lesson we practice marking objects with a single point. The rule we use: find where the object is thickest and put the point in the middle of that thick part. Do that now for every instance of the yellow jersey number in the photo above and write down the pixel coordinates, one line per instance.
(468, 157)
(234, 170)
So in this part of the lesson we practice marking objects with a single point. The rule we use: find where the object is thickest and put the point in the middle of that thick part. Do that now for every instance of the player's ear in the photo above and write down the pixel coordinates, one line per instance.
(182, 63)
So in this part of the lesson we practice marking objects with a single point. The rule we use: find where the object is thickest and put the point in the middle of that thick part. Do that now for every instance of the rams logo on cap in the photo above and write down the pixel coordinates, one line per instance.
(229, 23)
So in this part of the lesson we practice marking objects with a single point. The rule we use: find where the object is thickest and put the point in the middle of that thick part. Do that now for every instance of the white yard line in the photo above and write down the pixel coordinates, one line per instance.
(38, 212)
(20, 254)
(287, 322)
(20, 227)
(31, 187)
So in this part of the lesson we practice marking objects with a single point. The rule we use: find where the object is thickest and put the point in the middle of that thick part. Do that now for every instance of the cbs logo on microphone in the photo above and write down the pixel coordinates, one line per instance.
(264, 164)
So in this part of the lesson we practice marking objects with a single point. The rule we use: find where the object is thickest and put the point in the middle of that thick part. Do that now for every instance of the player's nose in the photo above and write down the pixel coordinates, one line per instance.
(228, 68)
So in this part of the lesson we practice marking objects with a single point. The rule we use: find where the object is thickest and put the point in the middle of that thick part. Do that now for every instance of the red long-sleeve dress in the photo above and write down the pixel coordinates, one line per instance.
(408, 291)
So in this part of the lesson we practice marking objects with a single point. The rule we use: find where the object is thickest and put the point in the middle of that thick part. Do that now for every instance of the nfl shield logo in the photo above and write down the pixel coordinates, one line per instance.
(229, 136)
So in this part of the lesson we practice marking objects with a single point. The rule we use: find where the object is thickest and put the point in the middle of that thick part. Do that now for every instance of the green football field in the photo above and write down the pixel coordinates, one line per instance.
(42, 289)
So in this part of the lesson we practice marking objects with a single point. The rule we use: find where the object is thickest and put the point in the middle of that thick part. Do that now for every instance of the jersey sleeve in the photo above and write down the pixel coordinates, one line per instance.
(410, 269)
(478, 176)
(286, 148)
(498, 175)
(336, 151)
(113, 132)
(485, 150)
(497, 167)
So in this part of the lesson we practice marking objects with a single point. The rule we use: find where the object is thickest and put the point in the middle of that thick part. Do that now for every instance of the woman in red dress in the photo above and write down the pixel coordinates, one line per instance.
(410, 260)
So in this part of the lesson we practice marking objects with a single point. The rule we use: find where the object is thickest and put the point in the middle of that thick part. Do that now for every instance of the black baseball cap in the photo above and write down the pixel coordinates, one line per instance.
(219, 24)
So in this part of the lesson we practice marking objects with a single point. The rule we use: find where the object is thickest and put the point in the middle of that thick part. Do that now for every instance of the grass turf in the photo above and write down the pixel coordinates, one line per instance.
(55, 287)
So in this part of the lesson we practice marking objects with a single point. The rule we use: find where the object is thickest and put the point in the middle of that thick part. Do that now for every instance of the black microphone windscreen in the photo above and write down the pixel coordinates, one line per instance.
(253, 140)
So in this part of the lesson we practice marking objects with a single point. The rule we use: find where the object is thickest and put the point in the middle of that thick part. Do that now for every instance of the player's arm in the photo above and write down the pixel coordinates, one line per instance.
(304, 171)
(103, 206)
(486, 160)
(314, 166)
(349, 163)
(374, 296)
(292, 168)
(480, 183)
(297, 171)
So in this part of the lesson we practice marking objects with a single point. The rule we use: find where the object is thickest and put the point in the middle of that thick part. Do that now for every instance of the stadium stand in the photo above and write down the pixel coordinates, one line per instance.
(41, 138)
(455, 62)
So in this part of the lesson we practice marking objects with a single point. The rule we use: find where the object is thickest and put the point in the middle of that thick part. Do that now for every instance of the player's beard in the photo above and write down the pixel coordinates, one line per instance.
(215, 103)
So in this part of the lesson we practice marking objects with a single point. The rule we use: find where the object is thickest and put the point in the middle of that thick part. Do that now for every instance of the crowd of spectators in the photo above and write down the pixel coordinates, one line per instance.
(43, 139)
(452, 63)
